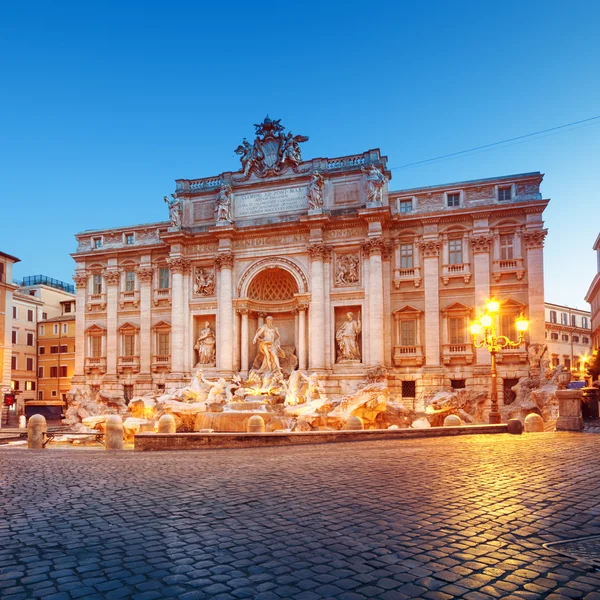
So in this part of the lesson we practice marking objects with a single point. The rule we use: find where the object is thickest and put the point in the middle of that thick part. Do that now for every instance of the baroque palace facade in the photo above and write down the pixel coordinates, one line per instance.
(307, 242)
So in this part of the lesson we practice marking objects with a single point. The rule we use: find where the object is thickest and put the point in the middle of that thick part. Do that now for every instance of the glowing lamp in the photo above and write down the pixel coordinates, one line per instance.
(493, 306)
(486, 320)
(522, 323)
(475, 329)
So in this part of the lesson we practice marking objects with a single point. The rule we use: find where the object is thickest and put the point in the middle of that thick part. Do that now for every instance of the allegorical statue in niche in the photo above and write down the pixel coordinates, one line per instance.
(314, 193)
(223, 205)
(204, 282)
(174, 210)
(376, 180)
(206, 346)
(347, 338)
(269, 346)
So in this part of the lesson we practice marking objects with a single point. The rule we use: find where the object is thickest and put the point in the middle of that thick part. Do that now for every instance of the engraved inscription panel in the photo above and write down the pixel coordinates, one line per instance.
(204, 211)
(272, 201)
(345, 193)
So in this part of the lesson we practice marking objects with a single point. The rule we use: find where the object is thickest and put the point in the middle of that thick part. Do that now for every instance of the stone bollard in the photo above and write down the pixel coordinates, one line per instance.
(452, 421)
(256, 424)
(354, 424)
(569, 410)
(22, 422)
(514, 426)
(533, 423)
(36, 432)
(166, 424)
(113, 433)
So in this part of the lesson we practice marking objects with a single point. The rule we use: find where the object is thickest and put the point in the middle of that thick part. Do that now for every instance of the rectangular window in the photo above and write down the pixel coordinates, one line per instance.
(67, 307)
(55, 329)
(14, 312)
(97, 284)
(14, 385)
(163, 344)
(554, 336)
(573, 321)
(53, 371)
(576, 339)
(409, 389)
(456, 330)
(96, 346)
(564, 318)
(30, 339)
(42, 330)
(586, 340)
(504, 193)
(508, 327)
(405, 206)
(53, 349)
(567, 363)
(453, 199)
(552, 316)
(408, 333)
(64, 348)
(458, 384)
(507, 246)
(53, 393)
(555, 361)
(65, 328)
(129, 281)
(97, 242)
(565, 338)
(128, 345)
(13, 363)
(30, 386)
(455, 256)
(14, 336)
(44, 316)
(30, 316)
(163, 278)
(40, 372)
(129, 239)
(63, 371)
(30, 364)
(406, 256)
(584, 322)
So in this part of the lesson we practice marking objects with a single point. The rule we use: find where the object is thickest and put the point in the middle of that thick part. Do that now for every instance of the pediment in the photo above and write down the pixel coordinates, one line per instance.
(512, 305)
(458, 307)
(408, 310)
(95, 328)
(128, 327)
(161, 325)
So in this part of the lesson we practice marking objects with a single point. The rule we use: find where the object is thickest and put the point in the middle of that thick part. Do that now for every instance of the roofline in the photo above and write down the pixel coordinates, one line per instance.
(471, 182)
(566, 306)
(10, 256)
(130, 227)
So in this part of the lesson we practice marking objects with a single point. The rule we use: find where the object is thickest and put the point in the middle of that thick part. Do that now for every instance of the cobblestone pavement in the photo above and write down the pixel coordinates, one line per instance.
(461, 517)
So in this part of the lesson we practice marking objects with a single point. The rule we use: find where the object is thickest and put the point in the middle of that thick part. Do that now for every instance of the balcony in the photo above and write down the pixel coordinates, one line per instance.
(462, 271)
(129, 299)
(408, 356)
(95, 364)
(457, 354)
(162, 296)
(96, 302)
(506, 267)
(513, 355)
(401, 275)
(128, 363)
(161, 362)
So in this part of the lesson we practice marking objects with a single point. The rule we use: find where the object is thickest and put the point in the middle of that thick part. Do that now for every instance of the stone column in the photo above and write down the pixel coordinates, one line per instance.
(480, 245)
(317, 331)
(374, 249)
(534, 244)
(302, 337)
(81, 282)
(111, 277)
(177, 265)
(431, 285)
(244, 340)
(145, 274)
(188, 344)
(224, 263)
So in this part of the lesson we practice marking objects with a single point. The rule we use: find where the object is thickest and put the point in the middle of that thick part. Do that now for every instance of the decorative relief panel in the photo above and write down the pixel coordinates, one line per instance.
(430, 200)
(204, 211)
(204, 281)
(347, 269)
(484, 192)
(346, 193)
(481, 243)
(430, 248)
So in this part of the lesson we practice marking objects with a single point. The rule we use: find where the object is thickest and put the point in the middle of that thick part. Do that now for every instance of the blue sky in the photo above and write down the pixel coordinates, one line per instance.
(104, 105)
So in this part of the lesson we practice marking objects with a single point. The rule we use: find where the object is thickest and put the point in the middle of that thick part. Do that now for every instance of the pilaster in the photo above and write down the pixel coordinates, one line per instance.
(534, 244)
(145, 274)
(431, 284)
(480, 247)
(224, 263)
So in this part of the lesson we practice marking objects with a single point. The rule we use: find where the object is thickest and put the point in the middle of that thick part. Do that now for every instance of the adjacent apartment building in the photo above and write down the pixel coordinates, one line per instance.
(593, 297)
(7, 289)
(569, 337)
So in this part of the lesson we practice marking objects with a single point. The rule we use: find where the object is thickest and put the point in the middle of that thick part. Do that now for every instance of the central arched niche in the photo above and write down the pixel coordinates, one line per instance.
(272, 291)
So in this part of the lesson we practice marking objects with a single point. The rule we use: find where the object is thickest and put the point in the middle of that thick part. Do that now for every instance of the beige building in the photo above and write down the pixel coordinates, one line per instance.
(593, 297)
(7, 290)
(568, 336)
(308, 242)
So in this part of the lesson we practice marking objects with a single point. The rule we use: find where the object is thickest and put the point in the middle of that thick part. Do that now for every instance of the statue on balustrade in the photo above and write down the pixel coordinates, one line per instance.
(206, 346)
(347, 339)
(376, 180)
(174, 210)
(223, 205)
(314, 194)
(269, 346)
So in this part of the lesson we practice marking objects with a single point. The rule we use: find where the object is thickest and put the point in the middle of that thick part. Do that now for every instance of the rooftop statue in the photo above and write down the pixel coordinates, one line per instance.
(223, 205)
(272, 151)
(376, 181)
(174, 210)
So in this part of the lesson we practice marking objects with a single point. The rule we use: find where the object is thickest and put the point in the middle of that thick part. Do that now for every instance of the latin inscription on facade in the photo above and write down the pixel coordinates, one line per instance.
(272, 201)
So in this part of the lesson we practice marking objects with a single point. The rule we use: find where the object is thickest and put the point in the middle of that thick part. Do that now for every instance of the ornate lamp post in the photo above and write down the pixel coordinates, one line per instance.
(494, 343)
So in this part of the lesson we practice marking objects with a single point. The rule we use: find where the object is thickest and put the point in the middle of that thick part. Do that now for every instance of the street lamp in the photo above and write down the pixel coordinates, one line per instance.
(494, 343)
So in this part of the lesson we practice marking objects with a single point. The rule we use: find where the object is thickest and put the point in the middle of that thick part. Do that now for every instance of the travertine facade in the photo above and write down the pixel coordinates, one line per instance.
(593, 297)
(568, 336)
(308, 242)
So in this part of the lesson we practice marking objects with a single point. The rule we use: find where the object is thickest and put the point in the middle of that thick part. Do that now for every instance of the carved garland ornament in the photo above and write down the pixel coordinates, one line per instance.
(535, 239)
(431, 248)
(481, 243)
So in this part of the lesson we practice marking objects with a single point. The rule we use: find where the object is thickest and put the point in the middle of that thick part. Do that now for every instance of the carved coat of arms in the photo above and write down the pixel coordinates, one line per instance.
(272, 151)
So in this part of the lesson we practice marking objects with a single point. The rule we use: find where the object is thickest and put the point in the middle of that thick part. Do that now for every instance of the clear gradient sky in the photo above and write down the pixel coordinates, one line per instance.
(105, 104)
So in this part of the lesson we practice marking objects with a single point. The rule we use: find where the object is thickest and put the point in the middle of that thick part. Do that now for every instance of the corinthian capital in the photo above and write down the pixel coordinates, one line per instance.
(430, 248)
(224, 260)
(535, 239)
(374, 246)
(481, 243)
(177, 264)
(145, 274)
(112, 277)
(80, 278)
(319, 251)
